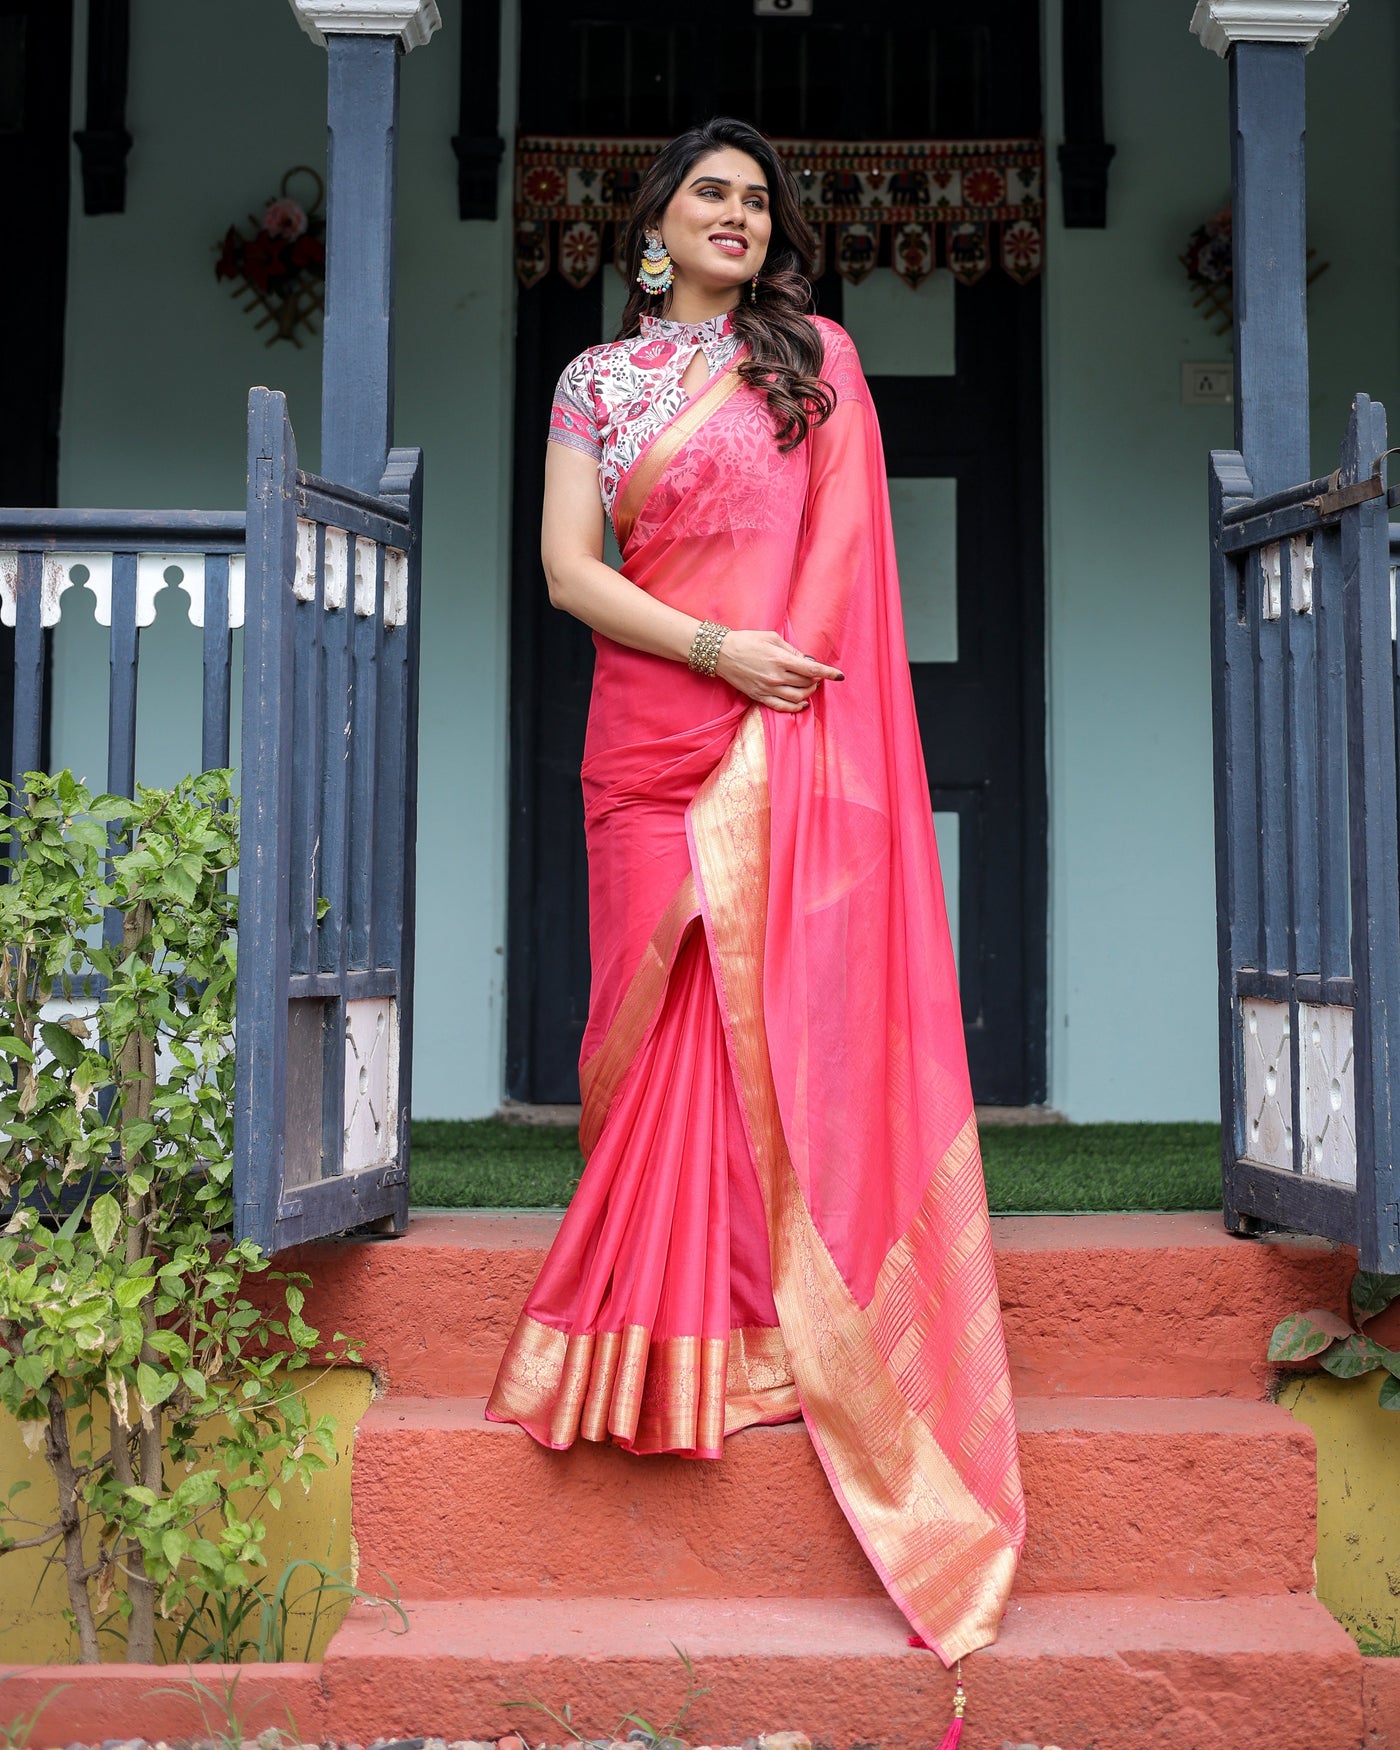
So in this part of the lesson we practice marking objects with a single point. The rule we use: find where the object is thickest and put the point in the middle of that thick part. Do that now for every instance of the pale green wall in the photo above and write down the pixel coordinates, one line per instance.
(224, 98)
(1133, 1028)
(227, 95)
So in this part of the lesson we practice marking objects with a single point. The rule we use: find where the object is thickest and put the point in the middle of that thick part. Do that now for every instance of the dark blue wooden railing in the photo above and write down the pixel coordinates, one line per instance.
(122, 557)
(1308, 848)
(325, 582)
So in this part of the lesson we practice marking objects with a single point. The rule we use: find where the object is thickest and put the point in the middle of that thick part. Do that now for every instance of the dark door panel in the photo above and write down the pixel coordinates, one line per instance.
(913, 69)
(36, 55)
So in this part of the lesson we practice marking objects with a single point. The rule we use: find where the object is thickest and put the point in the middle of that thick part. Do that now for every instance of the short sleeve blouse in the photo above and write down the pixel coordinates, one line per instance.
(612, 399)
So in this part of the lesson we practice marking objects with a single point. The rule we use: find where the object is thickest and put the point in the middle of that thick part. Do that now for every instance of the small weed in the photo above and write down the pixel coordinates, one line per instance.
(661, 1736)
(565, 1719)
(1376, 1642)
(693, 1693)
(16, 1731)
(225, 1725)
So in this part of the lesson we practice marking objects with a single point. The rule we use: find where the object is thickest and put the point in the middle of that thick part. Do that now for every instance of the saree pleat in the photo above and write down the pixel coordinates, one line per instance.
(782, 1207)
(652, 1322)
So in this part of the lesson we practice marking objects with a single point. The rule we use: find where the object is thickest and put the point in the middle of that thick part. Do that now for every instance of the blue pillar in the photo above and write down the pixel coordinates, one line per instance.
(1267, 119)
(1266, 42)
(357, 371)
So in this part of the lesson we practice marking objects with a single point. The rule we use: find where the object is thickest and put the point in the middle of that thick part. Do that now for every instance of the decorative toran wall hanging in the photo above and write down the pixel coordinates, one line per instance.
(959, 204)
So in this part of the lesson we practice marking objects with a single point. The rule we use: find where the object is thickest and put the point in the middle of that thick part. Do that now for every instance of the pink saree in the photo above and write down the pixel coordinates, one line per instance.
(782, 1210)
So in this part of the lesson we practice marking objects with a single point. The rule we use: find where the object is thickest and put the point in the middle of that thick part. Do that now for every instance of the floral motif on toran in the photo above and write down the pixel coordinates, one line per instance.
(867, 201)
(615, 397)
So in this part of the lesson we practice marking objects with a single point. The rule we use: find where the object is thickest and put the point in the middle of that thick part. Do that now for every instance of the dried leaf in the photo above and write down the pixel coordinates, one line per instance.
(118, 1398)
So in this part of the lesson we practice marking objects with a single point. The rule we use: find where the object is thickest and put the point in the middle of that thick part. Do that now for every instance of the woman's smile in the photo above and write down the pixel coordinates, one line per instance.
(729, 243)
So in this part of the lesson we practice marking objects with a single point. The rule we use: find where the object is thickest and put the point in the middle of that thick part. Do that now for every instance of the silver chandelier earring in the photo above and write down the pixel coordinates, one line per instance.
(656, 272)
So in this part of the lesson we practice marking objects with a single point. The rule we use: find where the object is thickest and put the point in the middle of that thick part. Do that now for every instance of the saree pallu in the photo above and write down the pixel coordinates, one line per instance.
(782, 1210)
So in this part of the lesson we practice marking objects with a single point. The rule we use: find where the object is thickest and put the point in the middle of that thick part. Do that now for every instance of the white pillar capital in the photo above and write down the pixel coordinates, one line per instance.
(1221, 24)
(411, 21)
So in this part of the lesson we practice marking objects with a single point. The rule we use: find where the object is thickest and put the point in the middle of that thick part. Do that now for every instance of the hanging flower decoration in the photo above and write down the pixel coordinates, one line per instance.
(1209, 260)
(1209, 251)
(278, 268)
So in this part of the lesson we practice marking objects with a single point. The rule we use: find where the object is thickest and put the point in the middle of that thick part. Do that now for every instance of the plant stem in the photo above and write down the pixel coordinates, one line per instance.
(141, 1626)
(71, 1522)
(138, 1081)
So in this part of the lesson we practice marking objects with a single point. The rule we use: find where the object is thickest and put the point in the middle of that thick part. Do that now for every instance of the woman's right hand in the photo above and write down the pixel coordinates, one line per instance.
(770, 671)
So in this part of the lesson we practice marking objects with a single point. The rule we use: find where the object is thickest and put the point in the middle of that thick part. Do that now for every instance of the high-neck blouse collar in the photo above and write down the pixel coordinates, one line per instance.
(615, 397)
(704, 334)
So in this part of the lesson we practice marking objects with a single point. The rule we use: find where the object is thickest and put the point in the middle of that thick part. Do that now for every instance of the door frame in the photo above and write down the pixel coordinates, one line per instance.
(539, 834)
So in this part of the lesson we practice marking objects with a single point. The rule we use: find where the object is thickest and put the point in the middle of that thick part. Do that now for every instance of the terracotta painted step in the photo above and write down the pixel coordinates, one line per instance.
(1380, 1691)
(1123, 1495)
(1113, 1673)
(1095, 1305)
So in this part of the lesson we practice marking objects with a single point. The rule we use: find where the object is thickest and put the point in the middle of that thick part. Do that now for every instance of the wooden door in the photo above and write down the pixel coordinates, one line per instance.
(36, 55)
(956, 377)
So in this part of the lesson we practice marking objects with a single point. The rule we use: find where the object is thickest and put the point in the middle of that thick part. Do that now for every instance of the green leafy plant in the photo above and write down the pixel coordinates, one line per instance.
(1341, 1346)
(156, 1391)
(662, 1737)
(253, 1623)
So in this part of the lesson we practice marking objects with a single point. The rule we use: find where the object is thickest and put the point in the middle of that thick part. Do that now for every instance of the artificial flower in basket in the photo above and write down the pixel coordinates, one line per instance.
(1209, 262)
(279, 269)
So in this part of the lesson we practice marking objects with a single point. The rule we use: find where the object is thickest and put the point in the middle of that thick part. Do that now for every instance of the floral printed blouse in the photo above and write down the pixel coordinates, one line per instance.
(615, 397)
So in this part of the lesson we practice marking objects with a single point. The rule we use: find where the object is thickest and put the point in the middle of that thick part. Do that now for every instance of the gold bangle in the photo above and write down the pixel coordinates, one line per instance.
(704, 647)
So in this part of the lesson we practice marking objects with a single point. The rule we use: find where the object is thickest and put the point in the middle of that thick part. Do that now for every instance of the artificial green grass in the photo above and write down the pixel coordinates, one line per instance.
(488, 1163)
(1082, 1167)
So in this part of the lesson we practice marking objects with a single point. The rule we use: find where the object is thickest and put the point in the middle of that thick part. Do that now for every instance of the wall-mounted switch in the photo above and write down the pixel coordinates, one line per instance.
(1203, 385)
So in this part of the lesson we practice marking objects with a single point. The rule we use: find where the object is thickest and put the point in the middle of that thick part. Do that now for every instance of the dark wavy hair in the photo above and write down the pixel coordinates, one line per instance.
(784, 356)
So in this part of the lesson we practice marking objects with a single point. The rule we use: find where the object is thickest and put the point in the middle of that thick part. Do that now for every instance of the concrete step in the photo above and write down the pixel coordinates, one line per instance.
(1123, 1495)
(1114, 1673)
(1095, 1305)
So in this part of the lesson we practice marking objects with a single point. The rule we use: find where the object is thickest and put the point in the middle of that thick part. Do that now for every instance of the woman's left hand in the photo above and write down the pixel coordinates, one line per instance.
(770, 671)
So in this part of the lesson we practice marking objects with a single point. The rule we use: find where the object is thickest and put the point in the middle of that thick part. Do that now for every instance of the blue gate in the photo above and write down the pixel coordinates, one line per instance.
(1307, 870)
(324, 583)
(326, 881)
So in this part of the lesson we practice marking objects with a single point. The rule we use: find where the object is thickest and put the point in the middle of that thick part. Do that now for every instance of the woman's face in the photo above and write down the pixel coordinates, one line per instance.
(717, 227)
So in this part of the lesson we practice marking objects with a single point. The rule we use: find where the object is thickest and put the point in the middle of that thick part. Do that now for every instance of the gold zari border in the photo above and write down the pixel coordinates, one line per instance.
(603, 1074)
(946, 1559)
(658, 1394)
(657, 457)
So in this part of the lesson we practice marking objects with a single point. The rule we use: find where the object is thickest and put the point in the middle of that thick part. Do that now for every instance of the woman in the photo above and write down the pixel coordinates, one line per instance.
(782, 1211)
